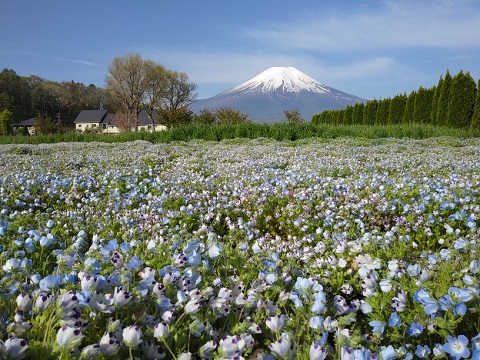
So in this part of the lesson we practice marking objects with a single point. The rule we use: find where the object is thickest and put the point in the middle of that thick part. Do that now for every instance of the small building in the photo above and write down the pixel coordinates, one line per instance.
(29, 124)
(104, 122)
(91, 120)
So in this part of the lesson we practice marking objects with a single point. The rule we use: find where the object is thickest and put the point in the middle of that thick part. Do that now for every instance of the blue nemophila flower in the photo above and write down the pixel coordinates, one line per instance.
(363, 354)
(459, 309)
(457, 348)
(476, 343)
(316, 322)
(134, 263)
(11, 265)
(378, 327)
(394, 320)
(414, 329)
(14, 348)
(422, 351)
(196, 327)
(388, 353)
(471, 223)
(50, 282)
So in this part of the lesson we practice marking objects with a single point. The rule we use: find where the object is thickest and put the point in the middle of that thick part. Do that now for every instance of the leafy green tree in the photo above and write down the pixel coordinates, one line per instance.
(45, 125)
(348, 115)
(443, 100)
(435, 100)
(357, 117)
(127, 81)
(293, 116)
(339, 116)
(227, 115)
(175, 117)
(422, 106)
(205, 117)
(462, 100)
(382, 112)
(5, 122)
(397, 108)
(370, 112)
(409, 108)
(475, 123)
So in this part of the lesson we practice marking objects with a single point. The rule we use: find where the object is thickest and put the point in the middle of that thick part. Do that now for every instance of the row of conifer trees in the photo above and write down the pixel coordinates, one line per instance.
(453, 102)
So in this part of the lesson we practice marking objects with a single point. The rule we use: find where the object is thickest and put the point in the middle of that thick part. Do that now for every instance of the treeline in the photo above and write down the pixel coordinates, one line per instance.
(28, 96)
(453, 102)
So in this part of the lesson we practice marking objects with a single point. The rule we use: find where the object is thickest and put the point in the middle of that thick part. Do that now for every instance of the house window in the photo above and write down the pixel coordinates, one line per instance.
(104, 126)
(94, 125)
(79, 125)
(149, 127)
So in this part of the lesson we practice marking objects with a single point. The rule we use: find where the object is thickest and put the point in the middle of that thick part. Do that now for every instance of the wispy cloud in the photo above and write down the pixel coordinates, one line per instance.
(76, 61)
(219, 71)
(392, 24)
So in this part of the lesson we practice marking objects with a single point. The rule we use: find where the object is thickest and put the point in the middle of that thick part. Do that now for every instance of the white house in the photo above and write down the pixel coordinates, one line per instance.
(111, 123)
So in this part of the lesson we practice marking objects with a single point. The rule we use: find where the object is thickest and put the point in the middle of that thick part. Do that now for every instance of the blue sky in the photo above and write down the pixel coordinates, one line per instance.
(371, 48)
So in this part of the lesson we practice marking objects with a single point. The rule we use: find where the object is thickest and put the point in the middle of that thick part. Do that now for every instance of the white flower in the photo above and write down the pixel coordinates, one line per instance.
(14, 348)
(161, 330)
(69, 337)
(277, 323)
(132, 336)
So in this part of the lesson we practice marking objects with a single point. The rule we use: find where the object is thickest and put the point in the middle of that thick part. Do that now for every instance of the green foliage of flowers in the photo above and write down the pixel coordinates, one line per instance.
(313, 249)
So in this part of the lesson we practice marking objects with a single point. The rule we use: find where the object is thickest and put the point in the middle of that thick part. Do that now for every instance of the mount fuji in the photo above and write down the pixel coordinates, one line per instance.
(264, 97)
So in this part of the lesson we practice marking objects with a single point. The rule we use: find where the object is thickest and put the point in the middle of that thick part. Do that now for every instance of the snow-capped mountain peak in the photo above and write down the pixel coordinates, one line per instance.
(281, 79)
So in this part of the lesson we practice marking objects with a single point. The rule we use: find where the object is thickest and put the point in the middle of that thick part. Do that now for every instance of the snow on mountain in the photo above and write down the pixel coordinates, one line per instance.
(284, 79)
(264, 97)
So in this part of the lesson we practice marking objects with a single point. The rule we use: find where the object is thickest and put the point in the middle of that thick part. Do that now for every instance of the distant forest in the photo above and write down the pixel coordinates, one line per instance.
(453, 102)
(27, 97)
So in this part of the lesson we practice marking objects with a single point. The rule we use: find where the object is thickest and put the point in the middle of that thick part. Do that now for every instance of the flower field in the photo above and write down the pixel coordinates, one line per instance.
(315, 249)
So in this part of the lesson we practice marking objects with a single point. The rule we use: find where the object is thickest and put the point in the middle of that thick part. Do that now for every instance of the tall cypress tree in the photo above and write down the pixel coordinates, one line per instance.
(422, 107)
(475, 123)
(382, 112)
(409, 108)
(443, 100)
(358, 113)
(370, 112)
(397, 108)
(462, 100)
(347, 115)
(436, 97)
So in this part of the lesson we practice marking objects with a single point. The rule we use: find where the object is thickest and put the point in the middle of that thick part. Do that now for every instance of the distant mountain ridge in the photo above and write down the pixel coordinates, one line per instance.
(265, 96)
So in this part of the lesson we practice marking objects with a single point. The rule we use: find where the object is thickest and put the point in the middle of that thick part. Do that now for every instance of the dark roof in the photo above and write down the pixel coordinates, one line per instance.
(28, 122)
(144, 119)
(91, 116)
(107, 119)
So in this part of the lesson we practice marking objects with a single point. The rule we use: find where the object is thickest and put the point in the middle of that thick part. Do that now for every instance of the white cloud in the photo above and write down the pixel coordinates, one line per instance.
(393, 24)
